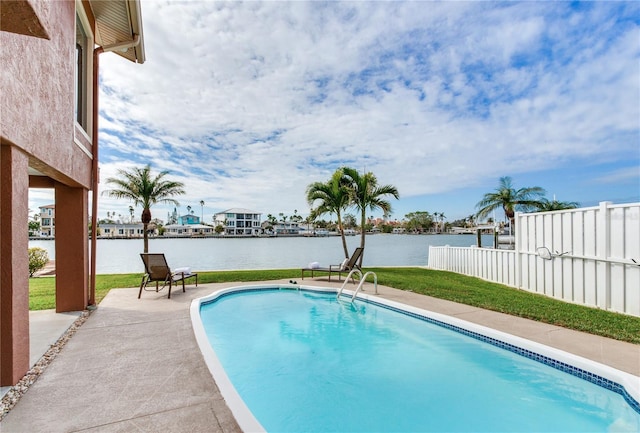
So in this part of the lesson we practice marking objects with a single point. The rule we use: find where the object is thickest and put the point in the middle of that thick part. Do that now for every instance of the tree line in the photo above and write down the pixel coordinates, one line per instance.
(347, 189)
(505, 197)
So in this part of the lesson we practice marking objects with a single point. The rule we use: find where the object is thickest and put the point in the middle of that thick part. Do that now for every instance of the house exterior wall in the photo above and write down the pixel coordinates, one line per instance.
(38, 85)
(38, 132)
(42, 145)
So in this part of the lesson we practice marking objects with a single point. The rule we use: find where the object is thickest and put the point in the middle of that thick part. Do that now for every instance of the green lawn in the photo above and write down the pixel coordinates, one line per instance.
(439, 284)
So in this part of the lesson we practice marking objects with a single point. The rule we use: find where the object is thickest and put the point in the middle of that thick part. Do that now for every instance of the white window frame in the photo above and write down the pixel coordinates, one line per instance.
(86, 101)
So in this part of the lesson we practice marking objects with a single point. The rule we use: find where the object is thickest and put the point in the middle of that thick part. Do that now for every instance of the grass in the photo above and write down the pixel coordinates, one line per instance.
(439, 284)
(42, 289)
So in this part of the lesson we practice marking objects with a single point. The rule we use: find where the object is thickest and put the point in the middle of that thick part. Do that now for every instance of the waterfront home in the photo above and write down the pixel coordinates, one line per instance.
(121, 230)
(187, 230)
(455, 230)
(289, 228)
(188, 219)
(49, 139)
(238, 221)
(47, 218)
(188, 225)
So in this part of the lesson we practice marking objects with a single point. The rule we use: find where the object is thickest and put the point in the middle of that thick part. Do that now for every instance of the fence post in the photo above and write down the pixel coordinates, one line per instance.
(516, 250)
(603, 249)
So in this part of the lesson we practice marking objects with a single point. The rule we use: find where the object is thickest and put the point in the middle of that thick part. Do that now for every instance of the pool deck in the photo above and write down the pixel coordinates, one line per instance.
(134, 365)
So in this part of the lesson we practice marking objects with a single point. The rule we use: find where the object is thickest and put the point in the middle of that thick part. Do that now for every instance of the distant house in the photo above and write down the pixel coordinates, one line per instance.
(286, 228)
(239, 222)
(462, 230)
(48, 220)
(187, 225)
(121, 230)
(188, 219)
(188, 230)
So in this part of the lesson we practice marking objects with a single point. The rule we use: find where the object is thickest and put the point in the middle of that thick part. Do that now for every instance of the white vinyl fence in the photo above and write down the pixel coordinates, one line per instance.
(588, 256)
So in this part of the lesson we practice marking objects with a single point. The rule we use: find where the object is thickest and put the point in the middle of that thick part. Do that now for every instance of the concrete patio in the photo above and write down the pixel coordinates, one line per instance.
(134, 365)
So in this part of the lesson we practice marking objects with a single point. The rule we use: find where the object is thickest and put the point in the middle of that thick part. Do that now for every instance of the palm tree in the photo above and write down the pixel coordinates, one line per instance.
(202, 211)
(145, 190)
(471, 220)
(510, 199)
(332, 197)
(364, 193)
(549, 205)
(439, 216)
(436, 216)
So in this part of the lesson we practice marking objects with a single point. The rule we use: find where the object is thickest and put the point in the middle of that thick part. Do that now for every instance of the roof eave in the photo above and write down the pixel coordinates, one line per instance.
(119, 28)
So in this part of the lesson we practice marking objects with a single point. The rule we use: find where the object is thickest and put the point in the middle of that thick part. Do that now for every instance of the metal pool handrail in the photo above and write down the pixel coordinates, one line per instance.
(346, 280)
(363, 279)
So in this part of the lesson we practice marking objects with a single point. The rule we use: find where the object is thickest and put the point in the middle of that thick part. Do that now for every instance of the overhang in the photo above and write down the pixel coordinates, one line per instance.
(117, 23)
(19, 16)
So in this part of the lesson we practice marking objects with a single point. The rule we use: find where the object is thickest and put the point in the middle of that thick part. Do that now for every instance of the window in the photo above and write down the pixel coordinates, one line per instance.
(83, 52)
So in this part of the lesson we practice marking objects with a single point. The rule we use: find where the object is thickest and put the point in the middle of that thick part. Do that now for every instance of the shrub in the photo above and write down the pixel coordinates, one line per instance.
(38, 258)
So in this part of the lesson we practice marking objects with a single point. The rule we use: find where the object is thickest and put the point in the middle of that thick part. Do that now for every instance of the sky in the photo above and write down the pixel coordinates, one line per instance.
(247, 103)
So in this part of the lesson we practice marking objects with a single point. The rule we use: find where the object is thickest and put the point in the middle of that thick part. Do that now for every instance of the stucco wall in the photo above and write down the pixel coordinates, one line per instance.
(37, 101)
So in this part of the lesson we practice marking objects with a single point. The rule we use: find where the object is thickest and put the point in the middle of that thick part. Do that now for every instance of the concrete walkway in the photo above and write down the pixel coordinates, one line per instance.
(134, 365)
(45, 328)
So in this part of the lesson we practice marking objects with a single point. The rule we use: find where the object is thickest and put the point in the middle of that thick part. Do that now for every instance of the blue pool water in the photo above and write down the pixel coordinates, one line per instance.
(303, 361)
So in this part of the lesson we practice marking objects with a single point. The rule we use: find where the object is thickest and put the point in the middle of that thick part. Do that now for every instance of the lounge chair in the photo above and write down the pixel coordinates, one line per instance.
(157, 269)
(345, 267)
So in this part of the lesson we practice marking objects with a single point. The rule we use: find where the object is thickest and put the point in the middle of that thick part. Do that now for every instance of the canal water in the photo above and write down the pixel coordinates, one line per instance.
(118, 256)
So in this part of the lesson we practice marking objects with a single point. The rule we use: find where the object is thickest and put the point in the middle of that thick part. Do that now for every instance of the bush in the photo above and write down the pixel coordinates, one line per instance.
(38, 258)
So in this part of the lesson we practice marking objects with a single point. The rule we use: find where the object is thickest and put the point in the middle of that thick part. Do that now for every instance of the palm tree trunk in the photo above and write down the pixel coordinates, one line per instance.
(146, 219)
(344, 238)
(145, 237)
(362, 235)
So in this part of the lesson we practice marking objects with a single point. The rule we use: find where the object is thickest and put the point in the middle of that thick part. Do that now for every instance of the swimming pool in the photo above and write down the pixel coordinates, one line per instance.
(299, 360)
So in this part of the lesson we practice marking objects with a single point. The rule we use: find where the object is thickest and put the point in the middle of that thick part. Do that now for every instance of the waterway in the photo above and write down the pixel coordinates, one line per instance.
(118, 256)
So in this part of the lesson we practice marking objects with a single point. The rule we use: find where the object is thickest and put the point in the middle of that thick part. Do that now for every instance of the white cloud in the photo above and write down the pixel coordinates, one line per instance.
(628, 174)
(248, 103)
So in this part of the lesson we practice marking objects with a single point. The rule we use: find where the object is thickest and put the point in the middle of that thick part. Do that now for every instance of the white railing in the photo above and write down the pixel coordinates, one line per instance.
(594, 257)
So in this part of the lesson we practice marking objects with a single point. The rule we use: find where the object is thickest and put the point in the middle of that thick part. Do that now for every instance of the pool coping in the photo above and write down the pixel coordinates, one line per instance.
(628, 385)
